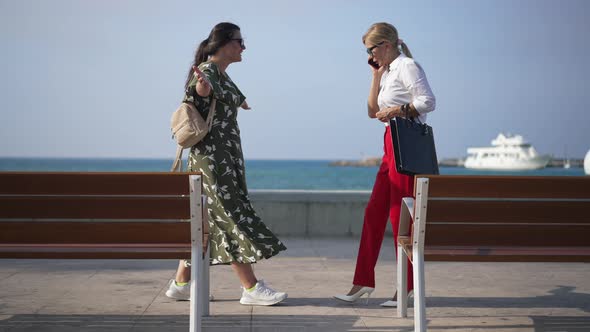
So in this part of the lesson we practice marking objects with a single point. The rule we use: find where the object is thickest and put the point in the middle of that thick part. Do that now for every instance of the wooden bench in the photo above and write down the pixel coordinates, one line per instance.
(108, 216)
(490, 219)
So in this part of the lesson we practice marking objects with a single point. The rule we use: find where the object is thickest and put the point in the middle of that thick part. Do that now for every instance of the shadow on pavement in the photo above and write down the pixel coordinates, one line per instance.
(561, 324)
(290, 323)
(175, 323)
(561, 297)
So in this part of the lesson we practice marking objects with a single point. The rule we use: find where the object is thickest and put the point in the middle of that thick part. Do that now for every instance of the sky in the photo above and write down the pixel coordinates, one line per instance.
(83, 78)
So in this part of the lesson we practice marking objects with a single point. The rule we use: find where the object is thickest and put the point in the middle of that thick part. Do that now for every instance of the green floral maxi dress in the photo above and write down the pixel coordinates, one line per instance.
(237, 234)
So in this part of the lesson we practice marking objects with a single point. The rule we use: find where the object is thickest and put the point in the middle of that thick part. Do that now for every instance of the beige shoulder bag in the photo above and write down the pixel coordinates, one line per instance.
(189, 128)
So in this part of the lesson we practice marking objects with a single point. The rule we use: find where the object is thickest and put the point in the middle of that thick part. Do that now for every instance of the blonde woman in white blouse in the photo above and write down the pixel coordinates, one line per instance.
(398, 88)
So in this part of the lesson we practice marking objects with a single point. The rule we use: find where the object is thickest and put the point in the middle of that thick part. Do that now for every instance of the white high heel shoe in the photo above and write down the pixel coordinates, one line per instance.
(357, 295)
(393, 303)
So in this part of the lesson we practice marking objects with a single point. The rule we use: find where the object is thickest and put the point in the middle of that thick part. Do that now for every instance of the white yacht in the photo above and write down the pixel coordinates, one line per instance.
(507, 153)
(587, 163)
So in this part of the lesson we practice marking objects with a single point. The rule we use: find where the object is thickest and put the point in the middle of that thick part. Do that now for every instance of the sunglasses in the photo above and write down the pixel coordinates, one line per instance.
(370, 49)
(241, 41)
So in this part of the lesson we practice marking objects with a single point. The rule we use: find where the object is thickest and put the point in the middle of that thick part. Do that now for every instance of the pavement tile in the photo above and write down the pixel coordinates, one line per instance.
(128, 295)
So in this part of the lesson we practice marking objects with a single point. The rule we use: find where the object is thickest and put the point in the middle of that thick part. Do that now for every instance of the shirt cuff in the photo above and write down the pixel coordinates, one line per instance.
(423, 107)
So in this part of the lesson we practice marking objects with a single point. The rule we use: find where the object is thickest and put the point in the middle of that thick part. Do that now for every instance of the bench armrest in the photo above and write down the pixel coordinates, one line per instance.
(406, 216)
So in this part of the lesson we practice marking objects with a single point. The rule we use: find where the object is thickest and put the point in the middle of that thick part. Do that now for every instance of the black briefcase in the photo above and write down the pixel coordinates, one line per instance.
(413, 147)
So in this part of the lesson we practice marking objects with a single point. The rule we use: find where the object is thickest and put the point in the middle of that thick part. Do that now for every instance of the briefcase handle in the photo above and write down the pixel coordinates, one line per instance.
(405, 109)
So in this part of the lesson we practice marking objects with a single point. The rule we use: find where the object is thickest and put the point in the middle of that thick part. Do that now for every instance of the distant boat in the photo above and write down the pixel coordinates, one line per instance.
(566, 161)
(587, 163)
(507, 153)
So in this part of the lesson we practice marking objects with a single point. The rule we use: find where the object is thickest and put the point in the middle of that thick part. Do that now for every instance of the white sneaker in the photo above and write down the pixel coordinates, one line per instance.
(262, 295)
(181, 293)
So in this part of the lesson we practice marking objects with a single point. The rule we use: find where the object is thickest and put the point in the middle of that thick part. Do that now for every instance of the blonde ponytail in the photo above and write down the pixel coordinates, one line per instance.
(406, 50)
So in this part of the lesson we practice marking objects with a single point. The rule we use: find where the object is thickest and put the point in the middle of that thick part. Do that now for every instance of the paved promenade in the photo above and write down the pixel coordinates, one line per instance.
(128, 295)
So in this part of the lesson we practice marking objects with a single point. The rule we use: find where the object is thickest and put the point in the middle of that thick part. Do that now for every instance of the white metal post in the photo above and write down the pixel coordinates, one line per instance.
(196, 303)
(418, 254)
(405, 217)
(419, 298)
(402, 282)
(204, 277)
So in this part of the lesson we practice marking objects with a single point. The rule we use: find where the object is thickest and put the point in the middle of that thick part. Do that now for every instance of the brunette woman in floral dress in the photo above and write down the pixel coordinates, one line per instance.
(237, 234)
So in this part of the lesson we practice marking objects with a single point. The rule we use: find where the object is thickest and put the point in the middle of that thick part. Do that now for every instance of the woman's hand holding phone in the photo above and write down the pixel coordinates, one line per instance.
(375, 68)
(373, 63)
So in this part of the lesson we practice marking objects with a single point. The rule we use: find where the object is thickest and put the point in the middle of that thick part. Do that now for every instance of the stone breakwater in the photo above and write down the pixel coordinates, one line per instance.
(447, 162)
(367, 162)
(376, 161)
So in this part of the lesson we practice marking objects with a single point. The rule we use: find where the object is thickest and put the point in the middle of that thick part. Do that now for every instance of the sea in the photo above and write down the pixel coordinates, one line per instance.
(260, 174)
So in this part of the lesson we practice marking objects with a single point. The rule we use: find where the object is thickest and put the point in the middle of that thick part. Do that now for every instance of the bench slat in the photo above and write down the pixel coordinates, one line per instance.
(507, 254)
(480, 253)
(563, 212)
(95, 207)
(507, 235)
(93, 232)
(508, 186)
(105, 251)
(94, 183)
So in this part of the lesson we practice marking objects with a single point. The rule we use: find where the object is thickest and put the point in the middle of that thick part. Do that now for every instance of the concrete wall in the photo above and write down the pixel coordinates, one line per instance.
(311, 213)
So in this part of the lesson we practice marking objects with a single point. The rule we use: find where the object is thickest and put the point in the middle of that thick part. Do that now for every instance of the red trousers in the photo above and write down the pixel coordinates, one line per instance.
(389, 189)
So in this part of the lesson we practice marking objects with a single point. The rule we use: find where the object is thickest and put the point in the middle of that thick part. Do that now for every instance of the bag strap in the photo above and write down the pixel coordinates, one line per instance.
(177, 165)
(210, 115)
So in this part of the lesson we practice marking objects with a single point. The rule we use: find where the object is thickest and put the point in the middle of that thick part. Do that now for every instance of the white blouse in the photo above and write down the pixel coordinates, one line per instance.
(405, 82)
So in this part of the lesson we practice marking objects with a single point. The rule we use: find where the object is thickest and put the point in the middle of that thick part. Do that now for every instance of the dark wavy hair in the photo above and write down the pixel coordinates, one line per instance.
(220, 35)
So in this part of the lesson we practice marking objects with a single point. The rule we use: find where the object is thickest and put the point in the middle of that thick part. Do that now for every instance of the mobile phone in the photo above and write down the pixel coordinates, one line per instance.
(373, 63)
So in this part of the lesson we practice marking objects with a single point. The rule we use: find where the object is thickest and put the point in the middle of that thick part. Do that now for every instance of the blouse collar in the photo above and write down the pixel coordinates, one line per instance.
(395, 63)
